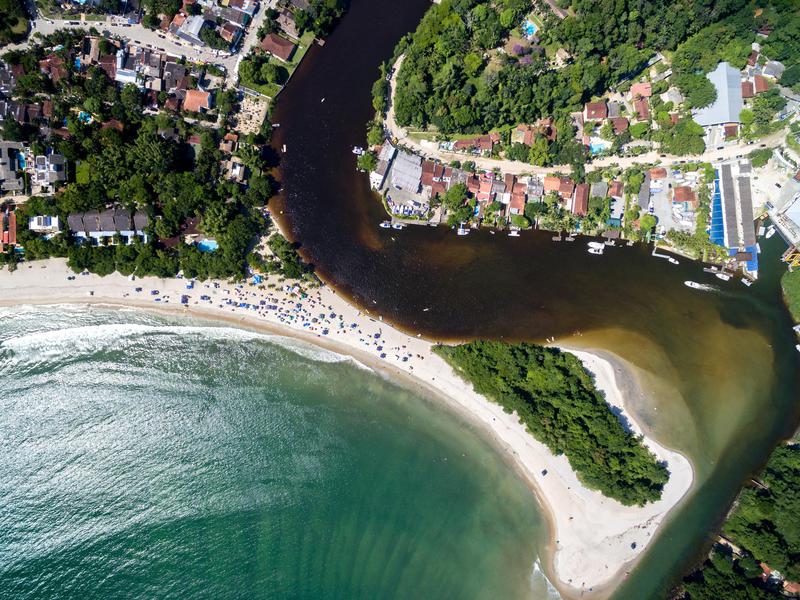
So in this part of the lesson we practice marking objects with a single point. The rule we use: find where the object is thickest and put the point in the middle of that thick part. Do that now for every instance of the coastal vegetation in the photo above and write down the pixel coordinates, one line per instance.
(790, 283)
(556, 399)
(453, 81)
(13, 21)
(762, 559)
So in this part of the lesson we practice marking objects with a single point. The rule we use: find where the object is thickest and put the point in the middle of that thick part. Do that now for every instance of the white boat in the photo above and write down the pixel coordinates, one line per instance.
(283, 148)
(673, 261)
(693, 284)
(723, 276)
(746, 281)
(596, 245)
(797, 347)
(462, 231)
(358, 150)
(595, 250)
(514, 233)
(321, 101)
(386, 225)
(770, 231)
(397, 226)
(796, 328)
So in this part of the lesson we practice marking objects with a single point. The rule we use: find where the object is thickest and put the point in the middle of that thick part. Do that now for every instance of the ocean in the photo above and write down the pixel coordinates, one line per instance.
(144, 456)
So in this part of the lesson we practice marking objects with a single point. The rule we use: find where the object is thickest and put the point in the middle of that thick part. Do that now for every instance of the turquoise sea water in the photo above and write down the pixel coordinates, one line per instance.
(143, 457)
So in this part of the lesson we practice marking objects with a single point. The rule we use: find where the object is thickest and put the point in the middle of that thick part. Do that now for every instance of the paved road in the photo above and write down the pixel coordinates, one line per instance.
(158, 40)
(430, 149)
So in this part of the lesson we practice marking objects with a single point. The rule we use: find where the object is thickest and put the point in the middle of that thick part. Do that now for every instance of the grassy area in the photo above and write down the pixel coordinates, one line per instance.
(790, 282)
(273, 89)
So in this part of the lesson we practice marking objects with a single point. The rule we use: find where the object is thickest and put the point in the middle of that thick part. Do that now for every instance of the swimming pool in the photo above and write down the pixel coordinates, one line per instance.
(207, 246)
(598, 147)
(529, 28)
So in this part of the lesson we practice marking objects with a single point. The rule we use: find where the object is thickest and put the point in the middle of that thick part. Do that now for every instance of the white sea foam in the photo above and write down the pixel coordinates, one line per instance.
(540, 584)
(91, 338)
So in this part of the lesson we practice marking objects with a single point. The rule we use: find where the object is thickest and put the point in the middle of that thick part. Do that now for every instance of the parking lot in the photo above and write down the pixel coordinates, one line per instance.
(671, 215)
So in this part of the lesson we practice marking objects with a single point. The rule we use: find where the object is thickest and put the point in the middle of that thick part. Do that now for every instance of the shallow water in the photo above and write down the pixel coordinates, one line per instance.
(146, 457)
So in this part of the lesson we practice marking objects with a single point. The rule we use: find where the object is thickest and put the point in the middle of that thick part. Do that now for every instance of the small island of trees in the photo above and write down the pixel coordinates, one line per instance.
(556, 399)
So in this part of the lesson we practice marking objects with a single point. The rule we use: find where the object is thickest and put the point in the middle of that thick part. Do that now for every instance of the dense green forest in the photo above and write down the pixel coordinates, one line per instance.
(13, 21)
(765, 525)
(555, 397)
(454, 80)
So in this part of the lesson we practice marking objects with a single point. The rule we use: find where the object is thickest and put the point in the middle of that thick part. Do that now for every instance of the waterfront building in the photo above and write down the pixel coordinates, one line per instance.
(732, 218)
(385, 158)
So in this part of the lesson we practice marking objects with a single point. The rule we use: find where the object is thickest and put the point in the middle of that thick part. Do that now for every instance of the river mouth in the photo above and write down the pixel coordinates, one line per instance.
(718, 367)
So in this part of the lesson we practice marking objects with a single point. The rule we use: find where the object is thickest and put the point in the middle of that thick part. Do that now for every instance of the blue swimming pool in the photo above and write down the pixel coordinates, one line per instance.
(598, 147)
(207, 246)
(529, 28)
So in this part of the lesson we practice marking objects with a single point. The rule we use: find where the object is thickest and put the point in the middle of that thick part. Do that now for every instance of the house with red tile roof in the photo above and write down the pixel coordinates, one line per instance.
(658, 173)
(580, 201)
(642, 108)
(594, 111)
(615, 189)
(619, 124)
(517, 204)
(279, 47)
(197, 101)
(761, 84)
(641, 90)
(747, 89)
(683, 193)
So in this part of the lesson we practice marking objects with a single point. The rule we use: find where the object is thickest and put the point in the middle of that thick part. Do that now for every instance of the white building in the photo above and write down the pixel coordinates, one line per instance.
(385, 158)
(44, 224)
(728, 104)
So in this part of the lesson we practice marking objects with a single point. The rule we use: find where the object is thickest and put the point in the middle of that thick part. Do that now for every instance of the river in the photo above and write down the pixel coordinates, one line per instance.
(718, 367)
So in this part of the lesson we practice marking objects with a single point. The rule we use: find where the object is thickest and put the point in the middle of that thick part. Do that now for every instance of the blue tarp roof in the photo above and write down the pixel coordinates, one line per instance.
(717, 231)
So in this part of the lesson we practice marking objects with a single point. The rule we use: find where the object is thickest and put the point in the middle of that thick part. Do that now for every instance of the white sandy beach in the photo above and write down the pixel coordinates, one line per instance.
(595, 539)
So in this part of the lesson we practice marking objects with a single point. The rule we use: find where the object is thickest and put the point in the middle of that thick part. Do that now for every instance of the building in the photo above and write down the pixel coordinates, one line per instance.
(407, 172)
(728, 104)
(593, 111)
(44, 224)
(8, 230)
(580, 201)
(615, 190)
(11, 161)
(385, 157)
(641, 90)
(197, 101)
(49, 169)
(190, 28)
(683, 194)
(620, 124)
(102, 228)
(642, 108)
(279, 47)
(287, 24)
(761, 84)
(732, 218)
(747, 89)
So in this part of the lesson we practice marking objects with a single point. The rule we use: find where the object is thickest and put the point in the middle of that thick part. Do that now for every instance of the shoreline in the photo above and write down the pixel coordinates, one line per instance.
(594, 541)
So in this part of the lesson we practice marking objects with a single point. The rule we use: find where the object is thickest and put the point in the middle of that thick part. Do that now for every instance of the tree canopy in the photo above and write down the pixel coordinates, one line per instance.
(555, 397)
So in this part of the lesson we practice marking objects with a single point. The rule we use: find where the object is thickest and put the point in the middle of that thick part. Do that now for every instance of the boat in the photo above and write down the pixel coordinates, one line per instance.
(723, 276)
(595, 250)
(283, 148)
(514, 233)
(386, 225)
(673, 261)
(492, 232)
(770, 231)
(796, 328)
(397, 226)
(321, 101)
(596, 245)
(693, 284)
(462, 231)
(570, 238)
(746, 281)
(797, 347)
(358, 150)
